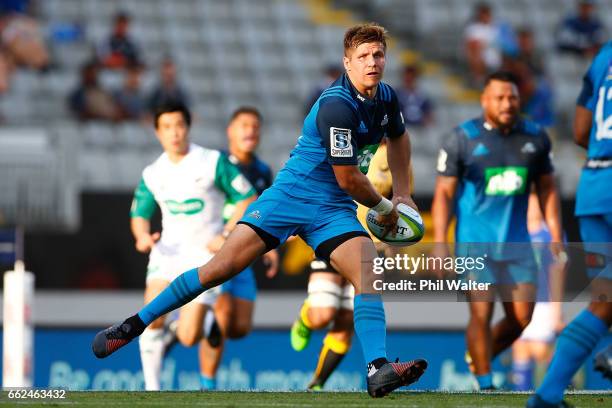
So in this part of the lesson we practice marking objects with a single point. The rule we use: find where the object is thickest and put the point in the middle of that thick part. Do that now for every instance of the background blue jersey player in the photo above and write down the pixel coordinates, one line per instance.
(312, 196)
(486, 167)
(234, 306)
(593, 131)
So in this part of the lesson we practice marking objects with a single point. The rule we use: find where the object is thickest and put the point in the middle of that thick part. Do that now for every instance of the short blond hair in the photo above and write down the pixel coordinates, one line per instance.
(364, 33)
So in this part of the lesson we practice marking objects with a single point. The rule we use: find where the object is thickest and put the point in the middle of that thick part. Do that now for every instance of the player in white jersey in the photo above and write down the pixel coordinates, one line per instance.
(190, 185)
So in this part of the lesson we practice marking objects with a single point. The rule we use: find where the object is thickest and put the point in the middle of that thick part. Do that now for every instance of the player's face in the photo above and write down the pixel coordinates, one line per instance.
(500, 103)
(243, 133)
(365, 65)
(172, 132)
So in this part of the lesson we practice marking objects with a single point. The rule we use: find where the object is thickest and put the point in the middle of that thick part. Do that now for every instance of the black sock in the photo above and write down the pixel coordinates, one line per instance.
(379, 362)
(136, 326)
(326, 367)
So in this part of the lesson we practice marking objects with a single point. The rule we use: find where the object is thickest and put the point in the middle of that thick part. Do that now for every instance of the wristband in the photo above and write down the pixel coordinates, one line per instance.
(384, 207)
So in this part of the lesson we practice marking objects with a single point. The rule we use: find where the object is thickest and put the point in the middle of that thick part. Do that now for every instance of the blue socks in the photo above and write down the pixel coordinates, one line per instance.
(181, 291)
(522, 375)
(485, 381)
(369, 318)
(575, 344)
(207, 383)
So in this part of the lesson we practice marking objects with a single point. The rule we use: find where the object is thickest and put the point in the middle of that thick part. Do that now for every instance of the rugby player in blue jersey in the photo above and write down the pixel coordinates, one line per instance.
(313, 197)
(593, 131)
(486, 167)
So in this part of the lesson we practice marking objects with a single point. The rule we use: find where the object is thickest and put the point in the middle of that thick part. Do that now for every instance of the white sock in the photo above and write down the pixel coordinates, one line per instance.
(208, 322)
(151, 355)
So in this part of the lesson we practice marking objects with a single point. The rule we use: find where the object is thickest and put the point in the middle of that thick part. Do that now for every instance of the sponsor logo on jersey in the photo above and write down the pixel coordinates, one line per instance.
(528, 148)
(241, 184)
(385, 120)
(480, 150)
(442, 158)
(187, 207)
(340, 142)
(365, 156)
(505, 181)
(255, 214)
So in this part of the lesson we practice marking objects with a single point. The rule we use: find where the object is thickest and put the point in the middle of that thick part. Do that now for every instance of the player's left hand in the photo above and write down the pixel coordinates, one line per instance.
(406, 199)
(215, 244)
(270, 260)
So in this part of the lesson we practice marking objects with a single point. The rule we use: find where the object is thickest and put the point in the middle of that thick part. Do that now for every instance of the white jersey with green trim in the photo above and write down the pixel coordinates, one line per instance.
(191, 195)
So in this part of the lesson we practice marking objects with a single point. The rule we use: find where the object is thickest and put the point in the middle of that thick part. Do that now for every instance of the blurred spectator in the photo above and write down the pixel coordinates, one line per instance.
(21, 42)
(129, 98)
(485, 42)
(120, 51)
(331, 73)
(581, 34)
(90, 101)
(416, 106)
(535, 92)
(527, 52)
(169, 89)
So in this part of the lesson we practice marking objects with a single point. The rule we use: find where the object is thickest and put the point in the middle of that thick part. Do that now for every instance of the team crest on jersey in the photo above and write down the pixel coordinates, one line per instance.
(528, 148)
(340, 142)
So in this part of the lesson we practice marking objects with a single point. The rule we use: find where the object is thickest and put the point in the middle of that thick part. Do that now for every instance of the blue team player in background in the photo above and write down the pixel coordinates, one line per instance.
(593, 131)
(312, 196)
(485, 170)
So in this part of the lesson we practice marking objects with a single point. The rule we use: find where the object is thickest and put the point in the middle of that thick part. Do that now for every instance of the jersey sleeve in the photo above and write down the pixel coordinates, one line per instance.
(586, 98)
(396, 119)
(230, 180)
(450, 160)
(143, 203)
(337, 124)
(544, 162)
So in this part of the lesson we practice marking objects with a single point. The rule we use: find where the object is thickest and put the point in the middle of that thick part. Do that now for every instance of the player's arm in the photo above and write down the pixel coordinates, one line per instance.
(548, 196)
(583, 118)
(449, 167)
(398, 157)
(143, 207)
(442, 206)
(357, 185)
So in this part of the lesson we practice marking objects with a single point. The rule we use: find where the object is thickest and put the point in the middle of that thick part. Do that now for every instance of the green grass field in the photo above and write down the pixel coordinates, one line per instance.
(297, 399)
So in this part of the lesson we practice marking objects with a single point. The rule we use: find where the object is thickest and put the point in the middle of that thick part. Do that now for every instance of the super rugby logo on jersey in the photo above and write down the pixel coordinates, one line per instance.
(504, 181)
(340, 142)
(187, 207)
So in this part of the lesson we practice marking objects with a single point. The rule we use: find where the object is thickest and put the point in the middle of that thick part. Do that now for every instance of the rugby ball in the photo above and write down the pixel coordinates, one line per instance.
(409, 229)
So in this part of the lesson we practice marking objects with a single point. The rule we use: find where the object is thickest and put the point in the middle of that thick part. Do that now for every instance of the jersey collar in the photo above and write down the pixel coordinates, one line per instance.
(518, 125)
(357, 95)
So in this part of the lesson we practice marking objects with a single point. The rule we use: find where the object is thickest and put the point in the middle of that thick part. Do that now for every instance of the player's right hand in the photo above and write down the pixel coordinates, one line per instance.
(389, 221)
(145, 242)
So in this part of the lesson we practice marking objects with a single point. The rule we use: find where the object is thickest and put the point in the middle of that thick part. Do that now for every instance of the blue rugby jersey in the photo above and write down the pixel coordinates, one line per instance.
(342, 128)
(495, 172)
(594, 195)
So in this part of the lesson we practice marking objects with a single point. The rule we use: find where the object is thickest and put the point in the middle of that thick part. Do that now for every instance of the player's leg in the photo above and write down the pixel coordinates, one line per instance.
(581, 335)
(337, 342)
(239, 251)
(321, 305)
(369, 314)
(151, 341)
(522, 365)
(509, 328)
(234, 311)
(478, 337)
